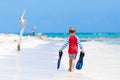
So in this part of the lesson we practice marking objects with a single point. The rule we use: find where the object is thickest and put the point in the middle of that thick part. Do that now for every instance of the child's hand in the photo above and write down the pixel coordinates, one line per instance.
(59, 51)
(83, 51)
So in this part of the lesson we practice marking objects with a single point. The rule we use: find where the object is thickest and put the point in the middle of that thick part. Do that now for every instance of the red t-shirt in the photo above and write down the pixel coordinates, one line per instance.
(73, 45)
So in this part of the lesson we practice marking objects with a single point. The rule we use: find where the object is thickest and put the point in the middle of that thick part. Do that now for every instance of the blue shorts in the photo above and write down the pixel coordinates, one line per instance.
(72, 55)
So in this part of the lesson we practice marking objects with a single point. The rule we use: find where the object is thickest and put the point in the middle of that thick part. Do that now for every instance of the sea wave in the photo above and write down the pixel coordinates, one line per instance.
(83, 35)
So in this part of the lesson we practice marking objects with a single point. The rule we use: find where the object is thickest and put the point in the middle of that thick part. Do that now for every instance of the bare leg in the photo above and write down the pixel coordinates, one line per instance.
(71, 64)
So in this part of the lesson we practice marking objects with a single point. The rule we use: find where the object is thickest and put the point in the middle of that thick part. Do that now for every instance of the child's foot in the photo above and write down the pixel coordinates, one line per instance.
(71, 70)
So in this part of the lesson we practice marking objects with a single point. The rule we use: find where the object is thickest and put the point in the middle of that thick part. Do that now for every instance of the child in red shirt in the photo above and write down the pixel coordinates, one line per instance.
(73, 42)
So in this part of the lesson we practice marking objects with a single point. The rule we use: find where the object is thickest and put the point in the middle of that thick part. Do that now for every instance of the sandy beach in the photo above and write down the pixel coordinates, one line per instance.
(38, 57)
(32, 33)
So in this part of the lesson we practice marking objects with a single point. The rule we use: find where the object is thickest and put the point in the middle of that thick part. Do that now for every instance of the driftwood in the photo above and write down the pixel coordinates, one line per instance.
(23, 23)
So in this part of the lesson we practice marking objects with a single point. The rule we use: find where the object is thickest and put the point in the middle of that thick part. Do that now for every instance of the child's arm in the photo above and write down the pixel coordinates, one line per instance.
(64, 45)
(80, 45)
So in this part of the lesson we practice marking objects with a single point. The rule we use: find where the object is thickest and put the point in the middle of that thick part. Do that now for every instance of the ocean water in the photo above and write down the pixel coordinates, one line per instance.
(111, 38)
(80, 35)
(84, 35)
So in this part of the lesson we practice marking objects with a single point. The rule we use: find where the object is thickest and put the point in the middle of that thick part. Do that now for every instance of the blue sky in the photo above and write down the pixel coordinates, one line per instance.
(59, 15)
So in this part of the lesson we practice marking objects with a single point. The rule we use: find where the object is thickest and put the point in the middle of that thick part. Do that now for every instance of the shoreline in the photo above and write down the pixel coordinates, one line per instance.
(38, 57)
